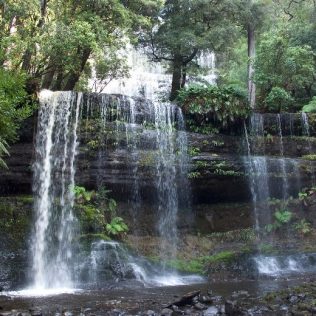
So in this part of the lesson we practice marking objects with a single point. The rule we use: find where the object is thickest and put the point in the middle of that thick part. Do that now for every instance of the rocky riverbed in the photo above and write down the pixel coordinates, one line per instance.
(270, 297)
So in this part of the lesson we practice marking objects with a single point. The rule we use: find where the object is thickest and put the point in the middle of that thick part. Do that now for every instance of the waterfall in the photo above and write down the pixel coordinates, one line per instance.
(54, 172)
(168, 151)
(151, 81)
(269, 177)
(258, 171)
(111, 261)
(147, 78)
(282, 161)
(306, 132)
(166, 178)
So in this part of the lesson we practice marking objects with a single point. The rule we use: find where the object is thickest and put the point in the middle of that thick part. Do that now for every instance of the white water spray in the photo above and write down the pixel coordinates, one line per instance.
(54, 172)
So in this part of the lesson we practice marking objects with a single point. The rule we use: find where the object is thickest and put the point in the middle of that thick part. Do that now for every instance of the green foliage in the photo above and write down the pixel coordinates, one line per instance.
(200, 264)
(282, 217)
(14, 105)
(183, 26)
(191, 266)
(311, 157)
(307, 195)
(194, 151)
(116, 227)
(194, 175)
(303, 227)
(82, 195)
(310, 107)
(243, 235)
(200, 164)
(281, 64)
(201, 127)
(54, 41)
(97, 214)
(266, 248)
(222, 105)
(278, 100)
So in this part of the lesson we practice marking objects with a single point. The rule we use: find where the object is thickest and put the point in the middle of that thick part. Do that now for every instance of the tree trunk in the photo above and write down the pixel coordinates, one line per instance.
(251, 70)
(75, 75)
(176, 77)
(184, 76)
(27, 57)
(59, 79)
(49, 73)
(48, 79)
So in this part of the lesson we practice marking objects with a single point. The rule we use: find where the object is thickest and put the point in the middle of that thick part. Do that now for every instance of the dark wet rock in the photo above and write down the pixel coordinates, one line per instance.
(175, 308)
(36, 312)
(232, 308)
(200, 306)
(205, 299)
(177, 313)
(240, 294)
(187, 299)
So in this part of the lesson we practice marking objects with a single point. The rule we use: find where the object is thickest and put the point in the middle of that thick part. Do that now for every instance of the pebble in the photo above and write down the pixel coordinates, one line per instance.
(211, 311)
(166, 312)
(149, 313)
(200, 306)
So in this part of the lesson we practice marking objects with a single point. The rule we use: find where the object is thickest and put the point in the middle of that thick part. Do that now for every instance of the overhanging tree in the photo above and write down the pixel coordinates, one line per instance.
(185, 28)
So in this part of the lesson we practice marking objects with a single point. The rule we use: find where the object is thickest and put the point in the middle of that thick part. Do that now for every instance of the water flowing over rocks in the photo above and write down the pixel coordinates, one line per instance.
(175, 189)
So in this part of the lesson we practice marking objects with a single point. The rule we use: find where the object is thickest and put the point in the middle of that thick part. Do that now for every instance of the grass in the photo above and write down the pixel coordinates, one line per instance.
(311, 157)
(200, 264)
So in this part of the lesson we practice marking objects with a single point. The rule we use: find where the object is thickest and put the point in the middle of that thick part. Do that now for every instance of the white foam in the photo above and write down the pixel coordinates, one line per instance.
(41, 292)
(174, 280)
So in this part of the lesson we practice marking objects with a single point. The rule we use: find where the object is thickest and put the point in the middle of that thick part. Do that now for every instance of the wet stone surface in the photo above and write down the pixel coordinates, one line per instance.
(171, 301)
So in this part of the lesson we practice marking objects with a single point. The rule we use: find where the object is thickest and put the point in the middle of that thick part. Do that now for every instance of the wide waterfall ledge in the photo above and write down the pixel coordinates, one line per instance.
(59, 261)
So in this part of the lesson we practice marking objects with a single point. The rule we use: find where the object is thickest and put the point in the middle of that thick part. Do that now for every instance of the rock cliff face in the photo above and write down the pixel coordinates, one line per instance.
(116, 155)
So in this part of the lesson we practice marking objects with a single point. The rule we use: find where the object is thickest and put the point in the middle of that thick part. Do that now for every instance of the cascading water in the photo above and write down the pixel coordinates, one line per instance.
(306, 132)
(282, 161)
(258, 171)
(150, 80)
(168, 152)
(54, 264)
(269, 178)
(54, 172)
(110, 261)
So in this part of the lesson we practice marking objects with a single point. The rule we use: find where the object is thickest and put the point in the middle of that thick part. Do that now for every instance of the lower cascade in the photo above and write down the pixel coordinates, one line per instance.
(271, 197)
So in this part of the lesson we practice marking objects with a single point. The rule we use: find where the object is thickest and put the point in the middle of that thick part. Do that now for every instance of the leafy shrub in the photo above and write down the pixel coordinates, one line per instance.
(14, 107)
(278, 100)
(221, 105)
(282, 217)
(117, 226)
(97, 213)
(303, 227)
(310, 107)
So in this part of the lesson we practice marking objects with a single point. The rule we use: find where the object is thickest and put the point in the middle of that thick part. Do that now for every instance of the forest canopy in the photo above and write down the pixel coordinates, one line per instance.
(265, 48)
